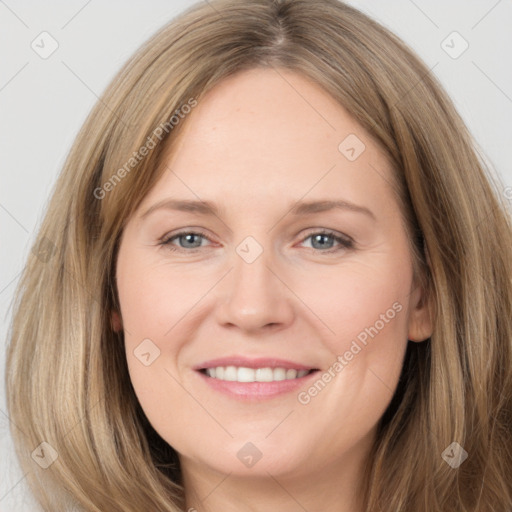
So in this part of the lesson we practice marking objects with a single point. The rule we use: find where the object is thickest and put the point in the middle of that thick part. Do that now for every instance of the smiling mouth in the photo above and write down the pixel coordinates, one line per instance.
(244, 374)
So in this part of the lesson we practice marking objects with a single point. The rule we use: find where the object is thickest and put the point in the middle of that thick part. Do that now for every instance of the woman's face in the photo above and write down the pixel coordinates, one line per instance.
(273, 245)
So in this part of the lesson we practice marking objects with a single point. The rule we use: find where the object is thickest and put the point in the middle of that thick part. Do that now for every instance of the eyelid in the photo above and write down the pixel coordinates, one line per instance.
(326, 231)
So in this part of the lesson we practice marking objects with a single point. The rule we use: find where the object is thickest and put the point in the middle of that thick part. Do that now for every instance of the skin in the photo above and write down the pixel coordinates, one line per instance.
(255, 145)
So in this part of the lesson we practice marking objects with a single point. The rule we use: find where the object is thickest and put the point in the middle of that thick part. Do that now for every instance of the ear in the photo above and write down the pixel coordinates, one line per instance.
(421, 321)
(117, 323)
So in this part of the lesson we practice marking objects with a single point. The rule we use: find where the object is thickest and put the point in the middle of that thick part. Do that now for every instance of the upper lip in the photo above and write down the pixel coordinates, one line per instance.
(258, 362)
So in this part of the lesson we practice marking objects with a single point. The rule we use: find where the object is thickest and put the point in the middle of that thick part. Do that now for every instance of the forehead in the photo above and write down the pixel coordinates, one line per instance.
(272, 135)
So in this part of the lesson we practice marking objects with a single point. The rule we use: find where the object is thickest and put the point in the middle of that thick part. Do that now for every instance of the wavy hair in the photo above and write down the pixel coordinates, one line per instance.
(67, 379)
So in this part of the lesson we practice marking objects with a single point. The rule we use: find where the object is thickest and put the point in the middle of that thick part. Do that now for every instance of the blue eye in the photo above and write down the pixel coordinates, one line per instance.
(188, 241)
(322, 241)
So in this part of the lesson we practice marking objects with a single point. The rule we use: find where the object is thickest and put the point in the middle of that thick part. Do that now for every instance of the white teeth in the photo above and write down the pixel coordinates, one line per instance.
(243, 374)
(230, 373)
(291, 374)
(279, 374)
(264, 375)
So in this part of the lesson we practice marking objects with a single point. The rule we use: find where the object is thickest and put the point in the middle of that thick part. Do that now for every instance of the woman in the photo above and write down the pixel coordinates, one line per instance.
(339, 334)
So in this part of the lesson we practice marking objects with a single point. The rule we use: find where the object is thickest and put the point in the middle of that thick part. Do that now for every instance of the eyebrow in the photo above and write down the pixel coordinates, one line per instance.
(298, 209)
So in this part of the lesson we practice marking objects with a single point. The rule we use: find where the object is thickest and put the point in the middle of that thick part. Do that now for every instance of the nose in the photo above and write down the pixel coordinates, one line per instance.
(254, 296)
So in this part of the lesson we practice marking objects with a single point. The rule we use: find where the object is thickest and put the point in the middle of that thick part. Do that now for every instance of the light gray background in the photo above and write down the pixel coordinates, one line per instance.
(44, 102)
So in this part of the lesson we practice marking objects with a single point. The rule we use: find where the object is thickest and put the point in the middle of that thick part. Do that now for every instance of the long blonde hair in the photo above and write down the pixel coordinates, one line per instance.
(67, 378)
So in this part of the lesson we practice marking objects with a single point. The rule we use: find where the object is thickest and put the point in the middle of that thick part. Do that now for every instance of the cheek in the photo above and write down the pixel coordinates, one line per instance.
(359, 303)
(153, 297)
(157, 302)
(365, 310)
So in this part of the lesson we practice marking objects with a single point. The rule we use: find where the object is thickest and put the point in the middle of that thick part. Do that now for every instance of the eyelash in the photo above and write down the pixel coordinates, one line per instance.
(345, 242)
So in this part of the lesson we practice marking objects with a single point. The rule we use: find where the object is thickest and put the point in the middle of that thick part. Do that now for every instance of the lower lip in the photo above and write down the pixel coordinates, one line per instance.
(255, 390)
